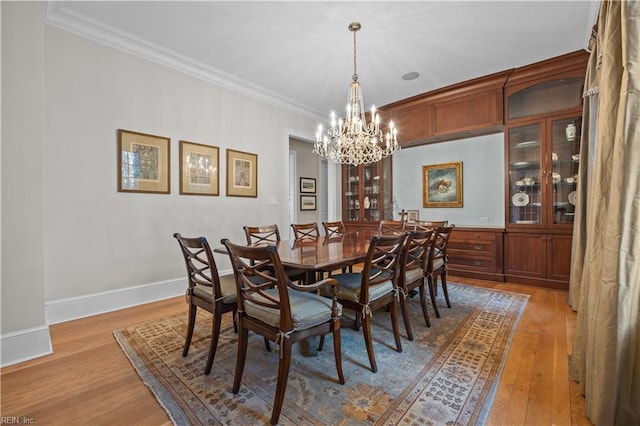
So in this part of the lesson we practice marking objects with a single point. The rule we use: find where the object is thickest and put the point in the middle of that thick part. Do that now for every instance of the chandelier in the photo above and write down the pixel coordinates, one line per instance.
(351, 140)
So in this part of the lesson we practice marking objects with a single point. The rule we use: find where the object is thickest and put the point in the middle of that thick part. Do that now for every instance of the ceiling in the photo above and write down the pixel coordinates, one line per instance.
(299, 55)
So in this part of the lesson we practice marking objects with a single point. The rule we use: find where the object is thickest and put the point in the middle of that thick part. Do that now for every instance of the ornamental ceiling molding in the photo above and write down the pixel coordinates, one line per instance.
(68, 20)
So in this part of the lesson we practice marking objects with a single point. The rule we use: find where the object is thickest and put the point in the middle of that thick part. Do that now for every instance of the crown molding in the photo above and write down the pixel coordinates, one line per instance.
(68, 20)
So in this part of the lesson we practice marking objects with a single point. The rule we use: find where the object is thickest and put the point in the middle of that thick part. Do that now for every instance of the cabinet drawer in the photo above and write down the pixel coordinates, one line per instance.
(475, 246)
(472, 263)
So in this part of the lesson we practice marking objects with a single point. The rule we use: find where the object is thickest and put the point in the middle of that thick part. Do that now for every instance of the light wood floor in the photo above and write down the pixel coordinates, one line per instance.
(88, 379)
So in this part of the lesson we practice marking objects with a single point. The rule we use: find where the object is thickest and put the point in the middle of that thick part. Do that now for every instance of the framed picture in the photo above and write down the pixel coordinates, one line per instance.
(442, 185)
(413, 215)
(307, 202)
(143, 163)
(242, 174)
(199, 169)
(308, 185)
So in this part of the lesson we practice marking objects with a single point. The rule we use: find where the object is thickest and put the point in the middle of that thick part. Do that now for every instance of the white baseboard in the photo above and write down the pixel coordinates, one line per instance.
(28, 344)
(62, 310)
(24, 345)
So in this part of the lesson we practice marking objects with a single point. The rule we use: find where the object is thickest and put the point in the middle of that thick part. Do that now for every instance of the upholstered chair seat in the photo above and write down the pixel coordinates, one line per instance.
(350, 288)
(307, 309)
(227, 287)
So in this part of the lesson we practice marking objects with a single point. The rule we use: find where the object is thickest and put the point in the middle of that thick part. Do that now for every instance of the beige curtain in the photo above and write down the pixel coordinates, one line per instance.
(605, 275)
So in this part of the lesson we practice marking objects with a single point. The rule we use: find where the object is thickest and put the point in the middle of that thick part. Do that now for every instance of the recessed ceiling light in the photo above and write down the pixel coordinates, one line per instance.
(410, 76)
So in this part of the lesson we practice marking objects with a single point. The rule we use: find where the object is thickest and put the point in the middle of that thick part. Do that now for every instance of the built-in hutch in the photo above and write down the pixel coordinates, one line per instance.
(543, 109)
(539, 108)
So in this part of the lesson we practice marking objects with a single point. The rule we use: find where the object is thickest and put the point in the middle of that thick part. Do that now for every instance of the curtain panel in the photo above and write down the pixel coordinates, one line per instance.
(605, 275)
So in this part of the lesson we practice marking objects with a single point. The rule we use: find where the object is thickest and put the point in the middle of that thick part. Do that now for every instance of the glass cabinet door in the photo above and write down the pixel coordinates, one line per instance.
(525, 175)
(371, 191)
(564, 160)
(387, 196)
(351, 193)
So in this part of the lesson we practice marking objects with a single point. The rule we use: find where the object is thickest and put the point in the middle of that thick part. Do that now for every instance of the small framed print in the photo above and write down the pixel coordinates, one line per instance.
(307, 202)
(442, 185)
(242, 174)
(307, 185)
(199, 169)
(413, 215)
(143, 163)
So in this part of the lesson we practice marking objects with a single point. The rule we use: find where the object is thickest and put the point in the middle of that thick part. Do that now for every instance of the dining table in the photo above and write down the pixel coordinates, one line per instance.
(323, 253)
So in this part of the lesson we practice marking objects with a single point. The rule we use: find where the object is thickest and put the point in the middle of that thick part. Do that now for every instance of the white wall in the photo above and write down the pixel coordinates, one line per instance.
(483, 179)
(24, 332)
(90, 248)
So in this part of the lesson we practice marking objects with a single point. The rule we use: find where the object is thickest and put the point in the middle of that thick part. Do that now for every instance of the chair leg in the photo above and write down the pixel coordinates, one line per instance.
(423, 302)
(243, 337)
(443, 280)
(283, 377)
(321, 343)
(215, 335)
(405, 317)
(368, 341)
(337, 350)
(191, 322)
(432, 294)
(394, 323)
(356, 323)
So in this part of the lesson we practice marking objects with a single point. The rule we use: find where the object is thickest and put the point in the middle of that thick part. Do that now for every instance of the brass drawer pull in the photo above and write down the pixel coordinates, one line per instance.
(477, 263)
(478, 248)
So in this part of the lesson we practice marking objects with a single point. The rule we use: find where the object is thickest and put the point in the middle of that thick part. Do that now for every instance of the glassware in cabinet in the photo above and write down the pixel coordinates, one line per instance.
(367, 193)
(564, 160)
(351, 197)
(525, 173)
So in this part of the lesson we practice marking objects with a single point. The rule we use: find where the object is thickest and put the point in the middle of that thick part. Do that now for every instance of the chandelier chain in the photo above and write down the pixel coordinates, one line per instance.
(355, 67)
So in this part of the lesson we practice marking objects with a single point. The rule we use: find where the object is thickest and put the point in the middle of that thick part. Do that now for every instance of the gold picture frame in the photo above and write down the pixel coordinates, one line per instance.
(199, 169)
(413, 215)
(442, 185)
(242, 174)
(143, 163)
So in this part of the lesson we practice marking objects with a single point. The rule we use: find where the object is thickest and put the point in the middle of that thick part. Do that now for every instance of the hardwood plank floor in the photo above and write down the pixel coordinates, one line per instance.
(89, 380)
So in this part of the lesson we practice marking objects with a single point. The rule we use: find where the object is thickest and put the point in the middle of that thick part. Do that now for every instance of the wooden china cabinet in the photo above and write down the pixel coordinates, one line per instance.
(367, 194)
(542, 145)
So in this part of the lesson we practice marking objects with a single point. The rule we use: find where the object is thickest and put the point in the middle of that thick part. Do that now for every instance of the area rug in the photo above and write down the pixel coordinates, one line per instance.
(447, 376)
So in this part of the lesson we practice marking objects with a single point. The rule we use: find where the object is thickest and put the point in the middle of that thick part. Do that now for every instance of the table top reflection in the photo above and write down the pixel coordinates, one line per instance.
(323, 253)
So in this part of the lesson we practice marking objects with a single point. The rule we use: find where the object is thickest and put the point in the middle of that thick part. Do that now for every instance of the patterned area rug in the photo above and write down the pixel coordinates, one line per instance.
(446, 376)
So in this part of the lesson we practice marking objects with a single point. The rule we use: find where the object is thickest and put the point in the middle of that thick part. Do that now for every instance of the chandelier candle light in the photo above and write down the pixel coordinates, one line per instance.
(352, 140)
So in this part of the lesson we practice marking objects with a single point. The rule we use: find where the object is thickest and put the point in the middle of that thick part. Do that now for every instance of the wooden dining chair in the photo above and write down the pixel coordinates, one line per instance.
(305, 231)
(205, 290)
(271, 305)
(392, 227)
(412, 275)
(437, 265)
(262, 234)
(334, 229)
(374, 288)
(428, 225)
(270, 234)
